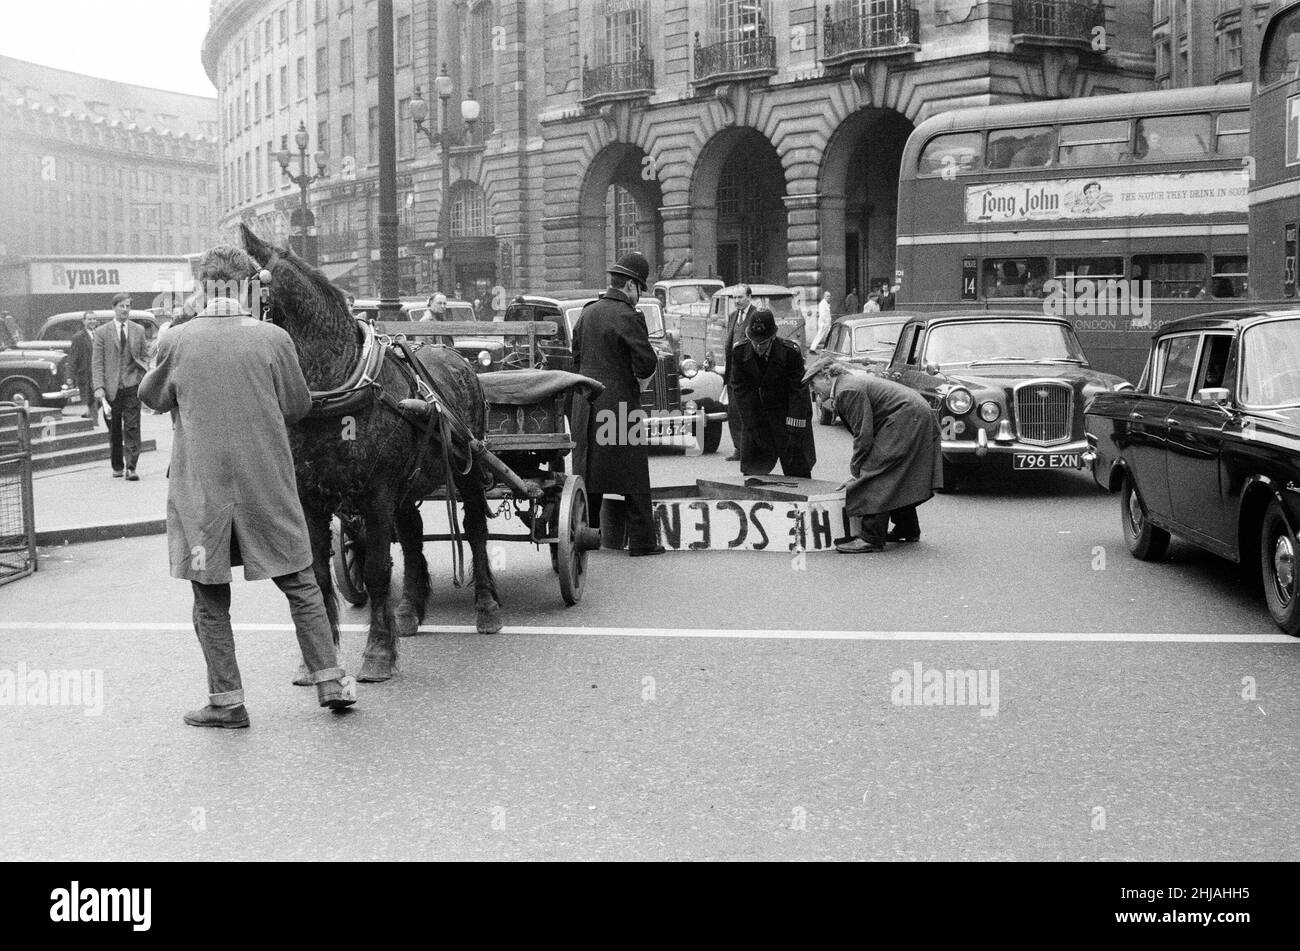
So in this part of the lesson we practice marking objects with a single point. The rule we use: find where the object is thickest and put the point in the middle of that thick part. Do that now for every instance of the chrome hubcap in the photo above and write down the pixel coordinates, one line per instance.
(1284, 568)
(1135, 513)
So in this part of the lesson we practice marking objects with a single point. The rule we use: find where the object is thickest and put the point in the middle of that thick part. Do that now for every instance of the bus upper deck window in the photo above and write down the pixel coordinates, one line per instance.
(1021, 148)
(1233, 133)
(1094, 143)
(943, 154)
(1281, 59)
(1173, 137)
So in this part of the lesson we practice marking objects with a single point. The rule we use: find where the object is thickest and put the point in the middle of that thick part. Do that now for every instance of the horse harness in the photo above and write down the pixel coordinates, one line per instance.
(363, 386)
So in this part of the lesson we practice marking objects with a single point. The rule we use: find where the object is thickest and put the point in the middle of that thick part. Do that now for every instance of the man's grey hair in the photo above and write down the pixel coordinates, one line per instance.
(226, 263)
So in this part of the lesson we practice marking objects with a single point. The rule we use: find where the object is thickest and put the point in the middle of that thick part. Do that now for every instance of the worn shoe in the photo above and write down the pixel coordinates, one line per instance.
(858, 547)
(131, 476)
(734, 457)
(224, 718)
(337, 694)
(643, 552)
(118, 473)
(895, 536)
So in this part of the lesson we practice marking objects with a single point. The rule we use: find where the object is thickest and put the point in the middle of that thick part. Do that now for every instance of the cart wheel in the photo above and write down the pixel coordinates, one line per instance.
(349, 559)
(570, 553)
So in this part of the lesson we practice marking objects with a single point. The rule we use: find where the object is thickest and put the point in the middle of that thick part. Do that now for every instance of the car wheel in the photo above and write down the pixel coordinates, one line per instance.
(825, 416)
(19, 391)
(1278, 551)
(1145, 541)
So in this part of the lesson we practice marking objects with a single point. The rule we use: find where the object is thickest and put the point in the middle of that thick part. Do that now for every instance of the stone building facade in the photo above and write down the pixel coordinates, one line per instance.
(748, 139)
(1207, 42)
(91, 166)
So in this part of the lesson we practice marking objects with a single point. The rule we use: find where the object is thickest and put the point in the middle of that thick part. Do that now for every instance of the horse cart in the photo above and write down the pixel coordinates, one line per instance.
(524, 450)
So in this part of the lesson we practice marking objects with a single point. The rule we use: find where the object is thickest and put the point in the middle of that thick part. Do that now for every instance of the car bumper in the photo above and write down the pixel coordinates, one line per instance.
(68, 394)
(982, 446)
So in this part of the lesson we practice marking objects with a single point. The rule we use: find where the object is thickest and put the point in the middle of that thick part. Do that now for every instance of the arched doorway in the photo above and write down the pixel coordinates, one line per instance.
(859, 203)
(739, 214)
(619, 210)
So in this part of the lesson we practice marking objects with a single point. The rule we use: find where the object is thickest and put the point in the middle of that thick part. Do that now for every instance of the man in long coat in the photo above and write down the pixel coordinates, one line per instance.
(734, 336)
(897, 458)
(233, 384)
(773, 402)
(82, 356)
(611, 344)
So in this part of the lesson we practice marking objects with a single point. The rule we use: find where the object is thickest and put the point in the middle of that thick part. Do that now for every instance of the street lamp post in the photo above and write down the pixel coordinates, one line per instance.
(303, 180)
(443, 140)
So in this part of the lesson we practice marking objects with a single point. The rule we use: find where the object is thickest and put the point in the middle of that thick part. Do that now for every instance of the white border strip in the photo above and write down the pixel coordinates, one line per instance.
(1072, 234)
(1282, 190)
(723, 633)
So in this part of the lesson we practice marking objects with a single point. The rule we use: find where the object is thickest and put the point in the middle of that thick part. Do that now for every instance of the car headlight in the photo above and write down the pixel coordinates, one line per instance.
(689, 368)
(990, 411)
(53, 368)
(959, 401)
(484, 358)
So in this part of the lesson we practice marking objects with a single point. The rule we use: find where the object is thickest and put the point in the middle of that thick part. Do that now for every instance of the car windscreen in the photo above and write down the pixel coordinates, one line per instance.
(1270, 364)
(876, 336)
(62, 330)
(781, 306)
(688, 294)
(999, 341)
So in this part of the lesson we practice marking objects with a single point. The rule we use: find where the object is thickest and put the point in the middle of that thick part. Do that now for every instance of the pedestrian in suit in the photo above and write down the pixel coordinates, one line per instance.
(773, 402)
(82, 359)
(119, 361)
(897, 461)
(734, 336)
(233, 384)
(886, 299)
(611, 345)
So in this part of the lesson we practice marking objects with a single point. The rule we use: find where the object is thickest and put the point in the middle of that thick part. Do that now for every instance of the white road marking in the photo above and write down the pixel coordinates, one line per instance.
(724, 633)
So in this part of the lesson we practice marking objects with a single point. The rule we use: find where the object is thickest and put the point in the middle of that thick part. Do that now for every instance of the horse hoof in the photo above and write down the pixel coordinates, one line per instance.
(407, 621)
(303, 677)
(375, 671)
(489, 620)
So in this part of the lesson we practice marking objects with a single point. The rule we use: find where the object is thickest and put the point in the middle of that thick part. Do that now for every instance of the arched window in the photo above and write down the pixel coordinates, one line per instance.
(468, 212)
(1281, 52)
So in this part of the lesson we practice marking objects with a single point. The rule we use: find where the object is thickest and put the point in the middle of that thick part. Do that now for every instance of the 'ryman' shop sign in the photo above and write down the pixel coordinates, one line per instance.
(1131, 196)
(108, 276)
(750, 525)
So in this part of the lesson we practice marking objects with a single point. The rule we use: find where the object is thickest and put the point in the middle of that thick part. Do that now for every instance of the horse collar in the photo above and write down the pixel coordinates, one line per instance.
(355, 394)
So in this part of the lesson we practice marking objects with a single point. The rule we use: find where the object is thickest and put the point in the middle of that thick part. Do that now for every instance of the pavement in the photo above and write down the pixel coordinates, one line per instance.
(699, 705)
(85, 503)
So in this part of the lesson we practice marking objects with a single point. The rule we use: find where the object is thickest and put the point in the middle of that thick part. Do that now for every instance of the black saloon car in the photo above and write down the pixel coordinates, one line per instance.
(1003, 386)
(1207, 447)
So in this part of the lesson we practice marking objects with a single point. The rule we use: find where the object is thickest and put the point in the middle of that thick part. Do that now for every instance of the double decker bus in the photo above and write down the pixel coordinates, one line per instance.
(997, 203)
(1275, 191)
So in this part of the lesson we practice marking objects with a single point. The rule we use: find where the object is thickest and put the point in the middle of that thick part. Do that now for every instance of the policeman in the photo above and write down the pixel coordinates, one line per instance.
(611, 344)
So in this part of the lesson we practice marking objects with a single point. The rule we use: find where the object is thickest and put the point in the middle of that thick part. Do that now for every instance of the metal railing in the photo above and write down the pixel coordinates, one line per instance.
(749, 54)
(1057, 19)
(17, 510)
(610, 79)
(899, 26)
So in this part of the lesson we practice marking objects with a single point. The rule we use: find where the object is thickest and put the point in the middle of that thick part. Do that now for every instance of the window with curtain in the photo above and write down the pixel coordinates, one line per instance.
(623, 38)
(740, 19)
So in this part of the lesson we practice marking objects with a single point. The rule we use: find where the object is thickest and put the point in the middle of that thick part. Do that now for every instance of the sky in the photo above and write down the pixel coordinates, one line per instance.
(147, 42)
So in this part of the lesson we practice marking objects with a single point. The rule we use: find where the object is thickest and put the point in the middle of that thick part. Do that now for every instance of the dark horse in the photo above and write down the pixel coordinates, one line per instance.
(373, 462)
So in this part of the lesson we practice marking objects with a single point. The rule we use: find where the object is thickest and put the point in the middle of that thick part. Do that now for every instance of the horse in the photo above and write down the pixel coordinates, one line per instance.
(375, 462)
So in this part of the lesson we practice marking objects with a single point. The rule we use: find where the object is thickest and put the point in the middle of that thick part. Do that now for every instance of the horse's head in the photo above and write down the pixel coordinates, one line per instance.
(302, 300)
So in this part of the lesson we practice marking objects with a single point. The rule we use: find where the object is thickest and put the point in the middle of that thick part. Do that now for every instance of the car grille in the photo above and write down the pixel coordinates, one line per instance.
(665, 391)
(1044, 412)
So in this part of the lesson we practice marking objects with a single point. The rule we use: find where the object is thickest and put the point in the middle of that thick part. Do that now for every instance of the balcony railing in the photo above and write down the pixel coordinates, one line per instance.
(896, 30)
(628, 79)
(1069, 21)
(749, 56)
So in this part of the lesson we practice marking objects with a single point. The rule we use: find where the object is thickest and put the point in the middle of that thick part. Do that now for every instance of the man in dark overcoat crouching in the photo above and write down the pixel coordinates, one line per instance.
(772, 399)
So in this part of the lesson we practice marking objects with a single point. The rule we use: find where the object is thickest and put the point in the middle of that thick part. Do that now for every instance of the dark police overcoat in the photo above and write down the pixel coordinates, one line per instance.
(897, 459)
(611, 344)
(767, 393)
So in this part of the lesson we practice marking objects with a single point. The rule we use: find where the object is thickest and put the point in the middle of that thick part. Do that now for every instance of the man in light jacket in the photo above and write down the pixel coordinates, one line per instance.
(119, 359)
(234, 384)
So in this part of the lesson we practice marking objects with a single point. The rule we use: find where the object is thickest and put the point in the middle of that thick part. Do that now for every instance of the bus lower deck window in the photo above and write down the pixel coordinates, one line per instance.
(1013, 277)
(1229, 278)
(1106, 267)
(1180, 276)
